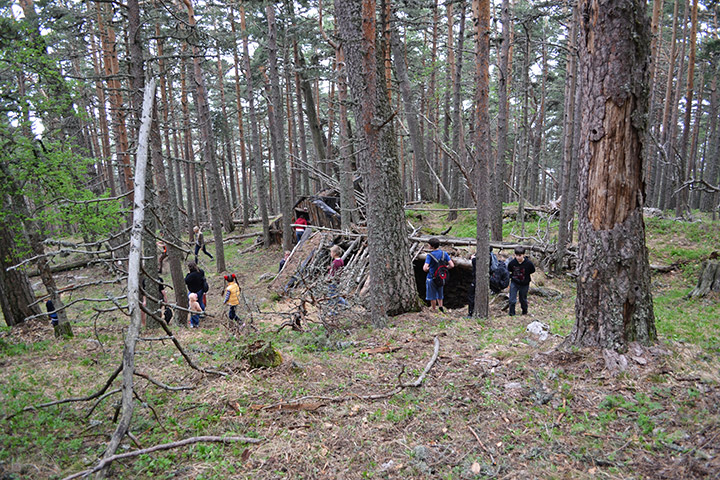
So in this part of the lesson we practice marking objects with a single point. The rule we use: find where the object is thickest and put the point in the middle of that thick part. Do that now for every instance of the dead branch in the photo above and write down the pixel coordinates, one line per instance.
(481, 444)
(187, 358)
(165, 446)
(69, 400)
(698, 184)
(157, 418)
(162, 385)
(133, 287)
(99, 401)
(428, 209)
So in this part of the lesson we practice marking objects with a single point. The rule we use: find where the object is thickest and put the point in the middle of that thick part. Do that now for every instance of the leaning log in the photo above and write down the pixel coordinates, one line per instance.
(64, 267)
(709, 280)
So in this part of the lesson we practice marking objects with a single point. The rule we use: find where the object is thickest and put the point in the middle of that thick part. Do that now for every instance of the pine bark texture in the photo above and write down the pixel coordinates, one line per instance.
(15, 291)
(481, 18)
(614, 304)
(390, 271)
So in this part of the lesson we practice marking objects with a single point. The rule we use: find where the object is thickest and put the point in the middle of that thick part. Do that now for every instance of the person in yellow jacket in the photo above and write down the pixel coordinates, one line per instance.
(232, 295)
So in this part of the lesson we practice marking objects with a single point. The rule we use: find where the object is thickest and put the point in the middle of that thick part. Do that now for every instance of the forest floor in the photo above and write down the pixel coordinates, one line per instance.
(498, 402)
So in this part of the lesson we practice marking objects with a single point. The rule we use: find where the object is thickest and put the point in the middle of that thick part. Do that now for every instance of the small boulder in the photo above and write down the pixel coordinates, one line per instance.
(539, 329)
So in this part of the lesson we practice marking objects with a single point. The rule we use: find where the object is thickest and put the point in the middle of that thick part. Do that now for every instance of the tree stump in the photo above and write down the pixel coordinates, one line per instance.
(709, 279)
(262, 355)
(63, 330)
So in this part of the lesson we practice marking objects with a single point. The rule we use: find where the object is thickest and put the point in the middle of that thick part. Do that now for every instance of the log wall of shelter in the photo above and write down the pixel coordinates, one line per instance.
(322, 209)
(306, 269)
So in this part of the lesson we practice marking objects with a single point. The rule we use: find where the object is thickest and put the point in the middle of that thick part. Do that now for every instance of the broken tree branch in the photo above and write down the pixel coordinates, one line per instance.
(165, 446)
(69, 400)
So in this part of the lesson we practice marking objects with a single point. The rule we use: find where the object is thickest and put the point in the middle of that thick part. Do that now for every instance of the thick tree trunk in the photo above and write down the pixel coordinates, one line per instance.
(522, 163)
(390, 271)
(674, 175)
(458, 142)
(167, 211)
(305, 182)
(693, 168)
(481, 19)
(536, 194)
(614, 305)
(317, 135)
(188, 155)
(117, 107)
(102, 121)
(15, 290)
(228, 177)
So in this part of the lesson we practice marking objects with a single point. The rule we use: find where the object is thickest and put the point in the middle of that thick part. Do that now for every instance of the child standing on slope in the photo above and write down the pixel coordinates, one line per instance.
(232, 295)
(195, 310)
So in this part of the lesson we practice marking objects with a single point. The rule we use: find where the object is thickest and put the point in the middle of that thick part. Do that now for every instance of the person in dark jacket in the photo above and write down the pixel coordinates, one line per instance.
(195, 281)
(495, 272)
(51, 312)
(520, 269)
(499, 276)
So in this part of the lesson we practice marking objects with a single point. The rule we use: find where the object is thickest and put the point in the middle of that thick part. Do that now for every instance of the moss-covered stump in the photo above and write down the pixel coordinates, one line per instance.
(262, 355)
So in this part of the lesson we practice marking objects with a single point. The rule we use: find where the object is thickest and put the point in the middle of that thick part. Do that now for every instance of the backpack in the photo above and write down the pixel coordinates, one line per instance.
(500, 277)
(442, 273)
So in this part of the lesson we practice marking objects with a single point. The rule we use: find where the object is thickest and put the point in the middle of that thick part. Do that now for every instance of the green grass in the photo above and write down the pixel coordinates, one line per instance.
(689, 320)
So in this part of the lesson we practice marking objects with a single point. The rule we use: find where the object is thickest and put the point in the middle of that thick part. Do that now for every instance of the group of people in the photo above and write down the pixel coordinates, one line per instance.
(514, 271)
(198, 287)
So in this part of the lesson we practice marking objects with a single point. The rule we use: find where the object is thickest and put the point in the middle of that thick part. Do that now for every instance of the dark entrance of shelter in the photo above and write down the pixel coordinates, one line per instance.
(456, 291)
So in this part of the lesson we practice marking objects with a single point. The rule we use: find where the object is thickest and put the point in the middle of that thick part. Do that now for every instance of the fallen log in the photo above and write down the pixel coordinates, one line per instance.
(242, 237)
(64, 267)
(471, 242)
(663, 268)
